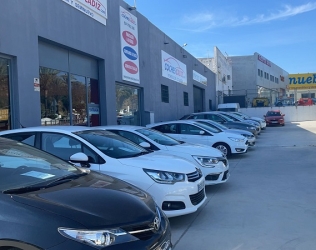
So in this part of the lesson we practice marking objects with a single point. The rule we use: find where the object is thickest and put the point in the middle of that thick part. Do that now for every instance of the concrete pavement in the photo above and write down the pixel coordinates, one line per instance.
(269, 202)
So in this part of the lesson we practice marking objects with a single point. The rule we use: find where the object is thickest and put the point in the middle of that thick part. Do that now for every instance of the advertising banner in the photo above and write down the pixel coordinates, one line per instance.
(199, 78)
(173, 69)
(96, 9)
(129, 46)
(302, 81)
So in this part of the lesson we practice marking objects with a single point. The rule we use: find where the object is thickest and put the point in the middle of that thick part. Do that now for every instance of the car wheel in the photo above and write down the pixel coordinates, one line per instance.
(223, 147)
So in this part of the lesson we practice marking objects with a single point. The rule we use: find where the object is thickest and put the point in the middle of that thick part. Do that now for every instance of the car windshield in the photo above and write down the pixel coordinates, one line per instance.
(22, 166)
(227, 118)
(158, 137)
(272, 113)
(217, 125)
(111, 144)
(208, 127)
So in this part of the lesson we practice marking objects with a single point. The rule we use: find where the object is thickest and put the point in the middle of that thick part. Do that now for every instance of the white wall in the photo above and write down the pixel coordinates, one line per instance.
(292, 113)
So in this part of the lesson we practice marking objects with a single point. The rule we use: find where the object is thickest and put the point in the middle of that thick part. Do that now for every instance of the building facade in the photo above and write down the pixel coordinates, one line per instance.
(221, 66)
(93, 63)
(256, 77)
(245, 79)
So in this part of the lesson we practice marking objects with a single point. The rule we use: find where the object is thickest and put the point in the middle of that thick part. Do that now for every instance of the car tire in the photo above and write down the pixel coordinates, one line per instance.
(223, 147)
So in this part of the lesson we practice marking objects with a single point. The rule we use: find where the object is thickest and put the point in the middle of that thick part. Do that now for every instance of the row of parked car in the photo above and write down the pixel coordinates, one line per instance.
(113, 186)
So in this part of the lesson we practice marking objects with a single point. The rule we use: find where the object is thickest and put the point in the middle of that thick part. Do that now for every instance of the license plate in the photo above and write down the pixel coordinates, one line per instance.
(274, 122)
(201, 186)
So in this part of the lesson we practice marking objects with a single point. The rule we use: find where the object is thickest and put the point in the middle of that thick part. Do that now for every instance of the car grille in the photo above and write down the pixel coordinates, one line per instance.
(197, 198)
(225, 175)
(212, 177)
(192, 177)
(142, 232)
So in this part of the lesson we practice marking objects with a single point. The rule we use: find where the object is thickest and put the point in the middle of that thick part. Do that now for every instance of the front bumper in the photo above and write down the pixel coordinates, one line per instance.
(240, 148)
(180, 198)
(216, 175)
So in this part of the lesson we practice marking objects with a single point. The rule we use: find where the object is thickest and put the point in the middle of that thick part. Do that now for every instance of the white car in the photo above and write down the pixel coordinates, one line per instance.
(222, 128)
(175, 183)
(211, 161)
(195, 132)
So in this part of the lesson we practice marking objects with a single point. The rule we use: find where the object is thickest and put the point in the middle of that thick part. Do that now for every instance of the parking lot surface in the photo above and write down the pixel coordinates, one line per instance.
(269, 202)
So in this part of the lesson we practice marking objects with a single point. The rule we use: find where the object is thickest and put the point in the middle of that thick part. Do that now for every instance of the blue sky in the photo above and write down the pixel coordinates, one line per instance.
(284, 32)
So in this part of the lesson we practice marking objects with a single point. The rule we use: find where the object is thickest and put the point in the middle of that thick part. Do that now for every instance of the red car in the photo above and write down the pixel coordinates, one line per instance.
(274, 117)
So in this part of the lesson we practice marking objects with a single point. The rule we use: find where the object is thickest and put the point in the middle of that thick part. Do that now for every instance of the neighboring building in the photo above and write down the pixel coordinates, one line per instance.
(250, 77)
(222, 67)
(93, 62)
(302, 85)
(255, 76)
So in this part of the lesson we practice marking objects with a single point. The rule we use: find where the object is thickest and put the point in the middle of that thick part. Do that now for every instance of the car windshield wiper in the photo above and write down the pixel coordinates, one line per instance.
(65, 179)
(141, 153)
(38, 187)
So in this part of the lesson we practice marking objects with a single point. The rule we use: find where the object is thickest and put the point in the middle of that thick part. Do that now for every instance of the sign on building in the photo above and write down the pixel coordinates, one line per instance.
(173, 69)
(129, 46)
(302, 81)
(96, 9)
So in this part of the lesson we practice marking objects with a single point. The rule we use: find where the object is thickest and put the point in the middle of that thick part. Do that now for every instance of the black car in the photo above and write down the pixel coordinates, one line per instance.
(220, 118)
(47, 203)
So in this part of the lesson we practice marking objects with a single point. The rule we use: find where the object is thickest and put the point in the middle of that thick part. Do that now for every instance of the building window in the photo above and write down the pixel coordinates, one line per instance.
(4, 94)
(127, 105)
(185, 98)
(258, 72)
(164, 93)
(228, 77)
(261, 73)
(276, 80)
(271, 78)
(267, 76)
(59, 106)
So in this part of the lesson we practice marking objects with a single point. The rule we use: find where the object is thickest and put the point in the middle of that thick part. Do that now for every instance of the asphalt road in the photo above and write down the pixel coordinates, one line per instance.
(269, 202)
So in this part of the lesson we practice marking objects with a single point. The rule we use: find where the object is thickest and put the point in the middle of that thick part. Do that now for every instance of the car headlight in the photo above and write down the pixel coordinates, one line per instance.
(165, 177)
(236, 139)
(205, 161)
(248, 136)
(252, 128)
(98, 238)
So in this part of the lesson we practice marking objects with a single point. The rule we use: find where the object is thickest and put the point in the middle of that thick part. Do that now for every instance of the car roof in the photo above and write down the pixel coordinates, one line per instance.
(122, 127)
(175, 121)
(69, 129)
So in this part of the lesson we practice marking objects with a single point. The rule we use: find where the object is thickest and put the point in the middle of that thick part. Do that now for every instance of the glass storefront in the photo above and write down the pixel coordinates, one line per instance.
(68, 100)
(4, 94)
(127, 105)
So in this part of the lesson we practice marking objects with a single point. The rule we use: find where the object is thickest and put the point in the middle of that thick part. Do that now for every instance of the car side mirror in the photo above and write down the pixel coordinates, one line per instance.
(80, 158)
(144, 144)
(283, 114)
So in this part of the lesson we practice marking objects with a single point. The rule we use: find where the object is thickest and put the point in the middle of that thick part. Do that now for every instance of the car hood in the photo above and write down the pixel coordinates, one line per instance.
(274, 117)
(229, 134)
(239, 124)
(96, 201)
(256, 118)
(195, 149)
(238, 131)
(160, 161)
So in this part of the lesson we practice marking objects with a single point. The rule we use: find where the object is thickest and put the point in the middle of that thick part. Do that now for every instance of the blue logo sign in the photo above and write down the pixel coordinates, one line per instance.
(130, 53)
